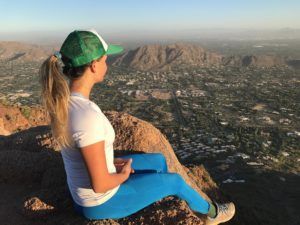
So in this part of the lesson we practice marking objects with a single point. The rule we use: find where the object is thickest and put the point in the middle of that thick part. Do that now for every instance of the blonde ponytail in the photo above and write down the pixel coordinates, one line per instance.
(55, 97)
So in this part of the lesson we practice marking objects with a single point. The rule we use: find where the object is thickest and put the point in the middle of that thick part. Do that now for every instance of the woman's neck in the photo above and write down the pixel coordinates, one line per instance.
(84, 90)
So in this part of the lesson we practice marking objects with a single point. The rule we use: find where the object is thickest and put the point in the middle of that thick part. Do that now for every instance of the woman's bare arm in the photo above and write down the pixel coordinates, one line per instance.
(95, 161)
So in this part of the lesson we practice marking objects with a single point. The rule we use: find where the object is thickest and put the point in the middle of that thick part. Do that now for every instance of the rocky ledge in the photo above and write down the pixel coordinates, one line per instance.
(33, 186)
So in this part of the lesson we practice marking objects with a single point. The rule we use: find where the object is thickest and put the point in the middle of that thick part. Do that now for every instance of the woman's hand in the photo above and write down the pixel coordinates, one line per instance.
(119, 164)
(119, 160)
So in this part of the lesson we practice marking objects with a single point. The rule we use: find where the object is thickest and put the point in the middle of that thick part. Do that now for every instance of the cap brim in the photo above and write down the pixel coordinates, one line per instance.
(114, 49)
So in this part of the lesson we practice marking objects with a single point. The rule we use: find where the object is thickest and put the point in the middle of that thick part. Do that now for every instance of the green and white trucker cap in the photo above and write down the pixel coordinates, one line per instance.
(84, 46)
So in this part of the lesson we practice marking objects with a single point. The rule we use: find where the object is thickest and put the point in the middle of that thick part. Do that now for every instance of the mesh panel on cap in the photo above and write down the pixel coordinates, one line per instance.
(73, 47)
(92, 45)
(105, 46)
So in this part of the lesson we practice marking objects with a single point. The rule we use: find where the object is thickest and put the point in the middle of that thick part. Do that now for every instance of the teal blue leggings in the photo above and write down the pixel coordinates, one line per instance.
(150, 183)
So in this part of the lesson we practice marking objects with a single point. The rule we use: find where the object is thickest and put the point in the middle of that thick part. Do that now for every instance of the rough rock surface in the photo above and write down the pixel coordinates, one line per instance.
(33, 182)
(3, 131)
(16, 118)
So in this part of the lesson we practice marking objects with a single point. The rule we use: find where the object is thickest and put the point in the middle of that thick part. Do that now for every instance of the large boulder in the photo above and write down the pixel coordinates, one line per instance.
(33, 181)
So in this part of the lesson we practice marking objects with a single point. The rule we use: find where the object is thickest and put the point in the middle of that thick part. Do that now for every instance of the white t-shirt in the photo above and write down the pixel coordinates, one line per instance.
(87, 125)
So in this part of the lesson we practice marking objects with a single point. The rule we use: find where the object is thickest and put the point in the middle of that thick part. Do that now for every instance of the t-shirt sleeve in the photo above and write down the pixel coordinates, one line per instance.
(88, 129)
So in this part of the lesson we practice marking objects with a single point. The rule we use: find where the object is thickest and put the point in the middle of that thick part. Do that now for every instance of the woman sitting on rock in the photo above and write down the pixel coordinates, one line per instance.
(101, 186)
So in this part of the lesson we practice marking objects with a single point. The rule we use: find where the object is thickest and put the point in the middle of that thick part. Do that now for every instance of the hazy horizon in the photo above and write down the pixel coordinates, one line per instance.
(49, 22)
(156, 36)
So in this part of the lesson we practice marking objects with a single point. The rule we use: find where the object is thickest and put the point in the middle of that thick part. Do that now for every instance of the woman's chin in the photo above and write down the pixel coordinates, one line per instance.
(99, 81)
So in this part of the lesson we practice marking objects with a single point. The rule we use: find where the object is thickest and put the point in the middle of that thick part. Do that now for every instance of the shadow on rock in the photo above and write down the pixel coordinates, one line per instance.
(30, 165)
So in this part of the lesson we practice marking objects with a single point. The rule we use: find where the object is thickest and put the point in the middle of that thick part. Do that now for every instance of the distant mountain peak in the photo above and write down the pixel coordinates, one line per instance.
(163, 57)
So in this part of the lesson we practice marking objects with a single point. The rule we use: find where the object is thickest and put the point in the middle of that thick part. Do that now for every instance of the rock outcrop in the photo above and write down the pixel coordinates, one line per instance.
(16, 118)
(33, 181)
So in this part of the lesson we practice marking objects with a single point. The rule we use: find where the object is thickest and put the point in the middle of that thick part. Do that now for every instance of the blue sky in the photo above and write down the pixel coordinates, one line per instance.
(138, 15)
(152, 14)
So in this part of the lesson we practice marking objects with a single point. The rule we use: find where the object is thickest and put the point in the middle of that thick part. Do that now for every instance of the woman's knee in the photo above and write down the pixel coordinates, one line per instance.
(160, 156)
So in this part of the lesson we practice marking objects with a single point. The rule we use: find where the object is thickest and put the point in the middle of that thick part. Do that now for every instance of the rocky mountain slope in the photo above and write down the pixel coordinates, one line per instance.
(256, 61)
(164, 57)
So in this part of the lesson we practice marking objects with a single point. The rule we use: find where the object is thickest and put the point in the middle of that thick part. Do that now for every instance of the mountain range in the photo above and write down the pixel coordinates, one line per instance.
(11, 50)
(153, 57)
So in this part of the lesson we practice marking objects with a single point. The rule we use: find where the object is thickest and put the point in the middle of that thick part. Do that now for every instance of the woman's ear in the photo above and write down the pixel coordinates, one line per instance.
(93, 66)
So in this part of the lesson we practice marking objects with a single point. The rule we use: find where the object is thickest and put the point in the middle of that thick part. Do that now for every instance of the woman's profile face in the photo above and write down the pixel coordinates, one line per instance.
(101, 68)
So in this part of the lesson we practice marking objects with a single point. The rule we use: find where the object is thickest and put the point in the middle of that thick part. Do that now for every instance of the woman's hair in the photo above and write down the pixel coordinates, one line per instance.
(55, 96)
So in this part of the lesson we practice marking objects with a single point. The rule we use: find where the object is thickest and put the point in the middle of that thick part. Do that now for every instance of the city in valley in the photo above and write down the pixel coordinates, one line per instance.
(241, 122)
